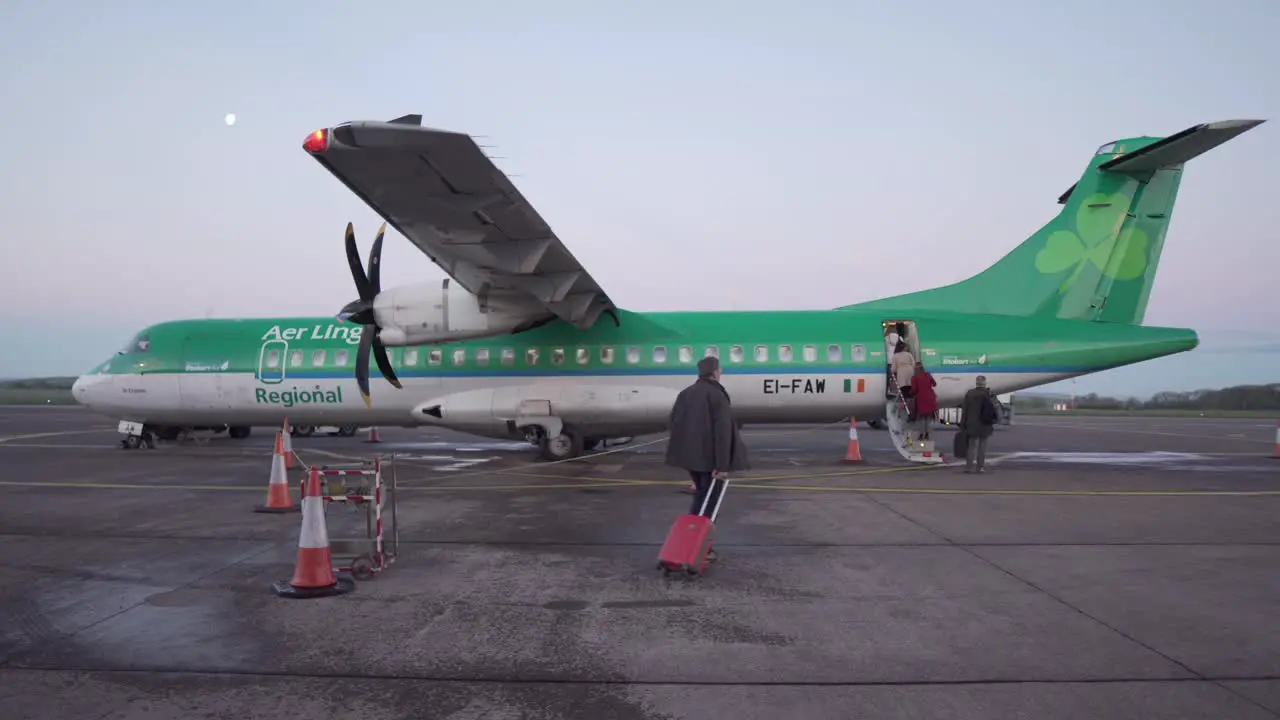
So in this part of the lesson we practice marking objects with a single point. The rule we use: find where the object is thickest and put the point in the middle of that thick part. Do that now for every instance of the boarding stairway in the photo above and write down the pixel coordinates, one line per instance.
(903, 434)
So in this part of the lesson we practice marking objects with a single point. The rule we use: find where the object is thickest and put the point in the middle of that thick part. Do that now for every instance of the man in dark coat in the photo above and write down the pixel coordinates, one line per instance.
(704, 434)
(978, 417)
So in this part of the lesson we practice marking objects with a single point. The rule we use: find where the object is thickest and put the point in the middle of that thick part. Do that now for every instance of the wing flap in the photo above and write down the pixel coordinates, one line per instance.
(439, 190)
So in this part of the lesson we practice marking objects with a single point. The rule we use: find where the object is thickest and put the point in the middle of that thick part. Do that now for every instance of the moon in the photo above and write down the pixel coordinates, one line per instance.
(230, 119)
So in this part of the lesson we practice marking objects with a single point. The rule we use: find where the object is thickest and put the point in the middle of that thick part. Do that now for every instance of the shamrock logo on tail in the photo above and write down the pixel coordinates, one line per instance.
(1094, 241)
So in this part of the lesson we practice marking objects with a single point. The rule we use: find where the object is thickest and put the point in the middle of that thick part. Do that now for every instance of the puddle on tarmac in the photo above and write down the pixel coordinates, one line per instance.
(1159, 457)
(463, 447)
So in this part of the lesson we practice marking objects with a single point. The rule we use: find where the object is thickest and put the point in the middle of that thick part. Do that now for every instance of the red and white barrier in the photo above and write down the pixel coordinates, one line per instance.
(367, 564)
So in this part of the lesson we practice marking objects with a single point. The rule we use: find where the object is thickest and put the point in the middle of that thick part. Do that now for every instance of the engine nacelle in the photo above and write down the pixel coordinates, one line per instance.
(428, 313)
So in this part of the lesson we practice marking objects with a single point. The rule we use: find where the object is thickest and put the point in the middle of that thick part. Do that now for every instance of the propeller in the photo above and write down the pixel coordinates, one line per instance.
(360, 311)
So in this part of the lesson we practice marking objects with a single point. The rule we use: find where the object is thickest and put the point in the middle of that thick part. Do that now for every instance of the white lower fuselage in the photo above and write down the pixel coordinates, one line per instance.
(596, 405)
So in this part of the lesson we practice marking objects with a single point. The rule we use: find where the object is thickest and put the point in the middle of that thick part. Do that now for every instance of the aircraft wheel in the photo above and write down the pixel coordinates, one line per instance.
(567, 444)
(304, 430)
(348, 430)
(239, 432)
(132, 442)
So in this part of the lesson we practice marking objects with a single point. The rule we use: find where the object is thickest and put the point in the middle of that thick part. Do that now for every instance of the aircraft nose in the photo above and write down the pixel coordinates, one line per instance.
(80, 390)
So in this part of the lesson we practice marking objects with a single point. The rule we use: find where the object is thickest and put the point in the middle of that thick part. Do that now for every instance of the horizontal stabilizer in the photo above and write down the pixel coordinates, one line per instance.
(1179, 147)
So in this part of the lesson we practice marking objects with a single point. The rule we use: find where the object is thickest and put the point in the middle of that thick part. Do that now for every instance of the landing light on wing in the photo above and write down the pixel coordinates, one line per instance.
(316, 142)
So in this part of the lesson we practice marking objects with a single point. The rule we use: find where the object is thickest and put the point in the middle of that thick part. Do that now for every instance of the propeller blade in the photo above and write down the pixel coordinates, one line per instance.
(362, 363)
(375, 262)
(357, 272)
(384, 363)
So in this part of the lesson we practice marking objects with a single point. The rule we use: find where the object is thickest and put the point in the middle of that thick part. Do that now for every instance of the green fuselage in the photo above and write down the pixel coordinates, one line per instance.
(779, 367)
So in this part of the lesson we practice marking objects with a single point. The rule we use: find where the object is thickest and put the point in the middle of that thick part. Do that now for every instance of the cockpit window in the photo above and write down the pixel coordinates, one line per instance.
(139, 344)
(1106, 149)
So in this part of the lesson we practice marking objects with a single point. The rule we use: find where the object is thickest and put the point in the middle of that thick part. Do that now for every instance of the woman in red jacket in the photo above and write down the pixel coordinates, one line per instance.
(922, 391)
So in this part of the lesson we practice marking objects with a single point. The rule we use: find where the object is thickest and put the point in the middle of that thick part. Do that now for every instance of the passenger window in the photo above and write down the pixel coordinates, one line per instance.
(531, 356)
(273, 358)
(295, 358)
(633, 355)
(317, 357)
(762, 353)
(834, 354)
(410, 357)
(810, 353)
(482, 356)
(858, 353)
(606, 355)
(735, 353)
(459, 356)
(686, 354)
(435, 357)
(557, 356)
(784, 353)
(508, 356)
(660, 354)
(712, 351)
(583, 356)
(340, 358)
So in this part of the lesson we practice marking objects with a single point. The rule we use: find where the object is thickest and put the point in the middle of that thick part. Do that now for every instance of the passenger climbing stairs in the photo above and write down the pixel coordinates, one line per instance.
(903, 435)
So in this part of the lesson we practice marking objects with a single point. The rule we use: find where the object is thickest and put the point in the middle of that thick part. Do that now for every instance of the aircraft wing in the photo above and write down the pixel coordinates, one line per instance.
(439, 190)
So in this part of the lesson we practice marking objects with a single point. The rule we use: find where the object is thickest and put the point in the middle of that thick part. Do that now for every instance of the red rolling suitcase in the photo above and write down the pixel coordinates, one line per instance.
(690, 537)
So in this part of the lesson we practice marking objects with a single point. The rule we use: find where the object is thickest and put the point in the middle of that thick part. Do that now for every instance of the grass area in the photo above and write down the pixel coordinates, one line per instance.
(37, 391)
(1267, 414)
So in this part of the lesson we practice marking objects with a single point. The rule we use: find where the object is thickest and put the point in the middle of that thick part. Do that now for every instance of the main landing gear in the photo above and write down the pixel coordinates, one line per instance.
(564, 445)
(309, 430)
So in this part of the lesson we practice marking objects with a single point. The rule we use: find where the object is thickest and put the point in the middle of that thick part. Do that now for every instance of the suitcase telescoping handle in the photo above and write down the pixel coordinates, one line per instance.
(719, 500)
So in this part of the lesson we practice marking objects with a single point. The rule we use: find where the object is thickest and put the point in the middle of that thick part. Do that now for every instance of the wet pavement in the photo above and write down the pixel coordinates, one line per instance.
(1103, 568)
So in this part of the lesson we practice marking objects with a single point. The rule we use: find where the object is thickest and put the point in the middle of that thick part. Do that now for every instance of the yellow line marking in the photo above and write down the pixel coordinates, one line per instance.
(58, 446)
(982, 491)
(61, 433)
(124, 486)
(736, 480)
(1095, 428)
(803, 488)
(246, 488)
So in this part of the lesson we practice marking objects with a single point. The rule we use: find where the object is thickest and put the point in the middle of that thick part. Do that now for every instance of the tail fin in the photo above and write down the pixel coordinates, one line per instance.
(1097, 259)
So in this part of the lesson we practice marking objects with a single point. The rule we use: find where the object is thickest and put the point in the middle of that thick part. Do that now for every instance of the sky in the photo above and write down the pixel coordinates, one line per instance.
(714, 155)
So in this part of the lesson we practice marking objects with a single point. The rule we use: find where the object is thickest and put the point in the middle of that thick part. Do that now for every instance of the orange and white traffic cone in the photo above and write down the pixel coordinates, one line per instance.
(278, 500)
(313, 574)
(854, 453)
(373, 435)
(286, 446)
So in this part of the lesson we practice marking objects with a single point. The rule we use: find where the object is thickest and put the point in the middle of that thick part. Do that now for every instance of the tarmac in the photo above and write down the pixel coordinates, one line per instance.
(1101, 568)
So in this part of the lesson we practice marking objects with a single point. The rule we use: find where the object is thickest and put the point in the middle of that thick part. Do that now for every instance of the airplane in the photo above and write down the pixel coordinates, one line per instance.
(520, 342)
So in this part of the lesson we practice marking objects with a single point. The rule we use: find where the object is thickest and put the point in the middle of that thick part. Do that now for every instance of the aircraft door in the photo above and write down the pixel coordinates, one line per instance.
(899, 331)
(271, 362)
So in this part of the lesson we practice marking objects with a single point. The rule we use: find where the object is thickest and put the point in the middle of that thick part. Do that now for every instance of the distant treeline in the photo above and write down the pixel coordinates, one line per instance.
(1237, 397)
(47, 383)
